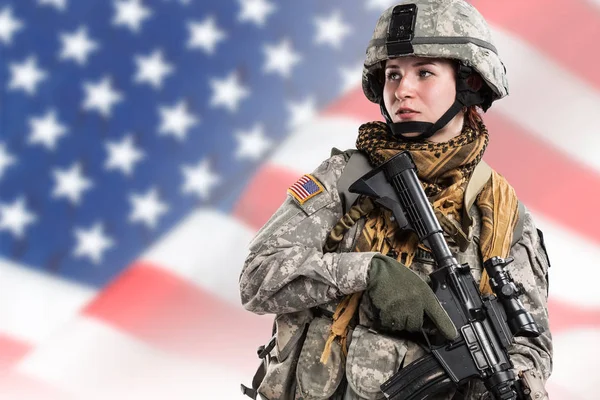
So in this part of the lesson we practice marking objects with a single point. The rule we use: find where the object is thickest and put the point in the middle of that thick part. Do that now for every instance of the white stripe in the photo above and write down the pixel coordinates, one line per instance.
(576, 362)
(118, 366)
(308, 146)
(549, 101)
(208, 248)
(91, 360)
(595, 3)
(574, 272)
(33, 305)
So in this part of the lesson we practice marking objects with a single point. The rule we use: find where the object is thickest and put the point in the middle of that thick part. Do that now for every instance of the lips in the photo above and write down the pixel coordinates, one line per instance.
(405, 110)
(406, 114)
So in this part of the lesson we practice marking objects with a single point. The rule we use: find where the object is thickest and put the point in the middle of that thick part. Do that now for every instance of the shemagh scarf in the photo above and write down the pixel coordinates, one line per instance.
(444, 170)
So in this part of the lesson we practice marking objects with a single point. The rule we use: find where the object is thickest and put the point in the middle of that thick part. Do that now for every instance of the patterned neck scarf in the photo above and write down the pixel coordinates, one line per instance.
(444, 170)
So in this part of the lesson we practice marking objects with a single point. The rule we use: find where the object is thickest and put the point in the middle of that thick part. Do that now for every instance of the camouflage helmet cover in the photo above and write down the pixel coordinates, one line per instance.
(443, 29)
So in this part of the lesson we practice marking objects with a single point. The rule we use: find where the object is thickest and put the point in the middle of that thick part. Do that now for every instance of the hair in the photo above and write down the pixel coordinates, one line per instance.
(473, 117)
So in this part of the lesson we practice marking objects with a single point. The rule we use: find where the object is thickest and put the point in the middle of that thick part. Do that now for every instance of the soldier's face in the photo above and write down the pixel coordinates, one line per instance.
(421, 89)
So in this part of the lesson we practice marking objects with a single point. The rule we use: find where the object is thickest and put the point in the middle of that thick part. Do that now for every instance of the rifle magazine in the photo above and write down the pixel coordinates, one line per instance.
(417, 380)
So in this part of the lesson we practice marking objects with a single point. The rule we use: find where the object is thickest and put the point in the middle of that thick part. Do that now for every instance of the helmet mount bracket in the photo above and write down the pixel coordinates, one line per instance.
(401, 30)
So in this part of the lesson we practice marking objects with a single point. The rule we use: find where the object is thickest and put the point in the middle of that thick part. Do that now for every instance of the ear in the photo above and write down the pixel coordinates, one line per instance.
(475, 81)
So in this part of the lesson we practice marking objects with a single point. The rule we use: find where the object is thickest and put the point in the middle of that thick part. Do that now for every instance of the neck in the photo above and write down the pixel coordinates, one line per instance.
(451, 130)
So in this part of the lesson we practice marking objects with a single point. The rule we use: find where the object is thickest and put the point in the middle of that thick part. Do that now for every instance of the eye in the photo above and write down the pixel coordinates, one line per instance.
(392, 76)
(425, 73)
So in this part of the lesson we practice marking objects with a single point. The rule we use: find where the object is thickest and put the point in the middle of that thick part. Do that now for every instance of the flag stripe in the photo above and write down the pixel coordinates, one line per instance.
(130, 368)
(11, 351)
(253, 208)
(565, 316)
(575, 29)
(204, 249)
(44, 302)
(173, 315)
(15, 385)
(576, 358)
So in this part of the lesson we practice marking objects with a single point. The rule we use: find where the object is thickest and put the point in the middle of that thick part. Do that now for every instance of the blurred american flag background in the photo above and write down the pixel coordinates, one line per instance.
(143, 143)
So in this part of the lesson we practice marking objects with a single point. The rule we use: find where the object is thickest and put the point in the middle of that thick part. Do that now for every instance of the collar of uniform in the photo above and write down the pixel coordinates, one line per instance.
(480, 176)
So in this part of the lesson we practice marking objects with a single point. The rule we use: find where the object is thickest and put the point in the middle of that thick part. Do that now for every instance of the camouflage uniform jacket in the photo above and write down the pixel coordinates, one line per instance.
(287, 273)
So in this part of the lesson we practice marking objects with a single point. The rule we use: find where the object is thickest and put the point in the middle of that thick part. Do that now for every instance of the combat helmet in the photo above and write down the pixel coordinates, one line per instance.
(451, 29)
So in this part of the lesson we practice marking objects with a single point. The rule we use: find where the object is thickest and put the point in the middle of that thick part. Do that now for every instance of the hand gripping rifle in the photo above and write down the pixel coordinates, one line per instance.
(486, 323)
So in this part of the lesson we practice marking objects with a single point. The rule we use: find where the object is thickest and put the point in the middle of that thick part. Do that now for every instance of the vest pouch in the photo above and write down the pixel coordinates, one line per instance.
(372, 359)
(316, 380)
(279, 382)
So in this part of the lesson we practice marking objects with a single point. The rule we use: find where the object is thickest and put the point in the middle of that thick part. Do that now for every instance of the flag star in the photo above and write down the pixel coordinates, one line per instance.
(281, 58)
(331, 30)
(26, 75)
(123, 155)
(228, 92)
(92, 243)
(6, 159)
(70, 183)
(152, 69)
(351, 77)
(176, 121)
(77, 46)
(255, 11)
(130, 13)
(199, 179)
(301, 112)
(8, 25)
(100, 96)
(252, 144)
(205, 35)
(15, 217)
(60, 5)
(46, 130)
(147, 208)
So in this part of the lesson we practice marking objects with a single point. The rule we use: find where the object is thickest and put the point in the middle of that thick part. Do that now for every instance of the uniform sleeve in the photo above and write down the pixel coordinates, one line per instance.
(287, 270)
(530, 268)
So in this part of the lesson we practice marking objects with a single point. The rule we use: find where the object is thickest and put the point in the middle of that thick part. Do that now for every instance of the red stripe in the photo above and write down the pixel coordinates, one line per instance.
(168, 312)
(11, 351)
(565, 316)
(547, 180)
(566, 30)
(253, 207)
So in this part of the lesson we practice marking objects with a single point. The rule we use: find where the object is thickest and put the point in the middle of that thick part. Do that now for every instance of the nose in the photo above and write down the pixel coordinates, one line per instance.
(405, 88)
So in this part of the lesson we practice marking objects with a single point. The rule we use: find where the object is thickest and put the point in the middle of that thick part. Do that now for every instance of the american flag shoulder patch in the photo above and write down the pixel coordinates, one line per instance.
(305, 188)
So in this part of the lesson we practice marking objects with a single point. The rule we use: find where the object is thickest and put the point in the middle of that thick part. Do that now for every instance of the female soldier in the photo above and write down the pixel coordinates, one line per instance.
(334, 268)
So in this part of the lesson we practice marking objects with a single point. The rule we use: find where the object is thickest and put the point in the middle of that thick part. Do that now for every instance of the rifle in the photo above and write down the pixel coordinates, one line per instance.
(486, 323)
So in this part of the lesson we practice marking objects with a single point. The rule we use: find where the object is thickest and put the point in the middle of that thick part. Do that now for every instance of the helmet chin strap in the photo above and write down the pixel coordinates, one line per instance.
(425, 129)
(465, 97)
